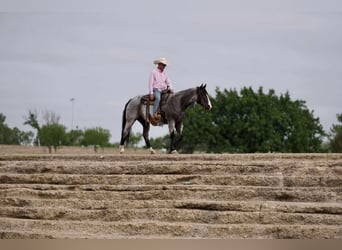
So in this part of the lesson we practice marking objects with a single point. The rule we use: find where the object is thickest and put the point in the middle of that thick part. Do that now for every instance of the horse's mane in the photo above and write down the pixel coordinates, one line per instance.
(183, 97)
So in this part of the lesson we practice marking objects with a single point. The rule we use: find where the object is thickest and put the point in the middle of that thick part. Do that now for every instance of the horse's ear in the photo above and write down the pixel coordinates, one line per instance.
(203, 86)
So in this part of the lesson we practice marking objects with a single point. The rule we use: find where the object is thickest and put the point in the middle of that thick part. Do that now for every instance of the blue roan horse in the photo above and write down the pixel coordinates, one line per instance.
(173, 111)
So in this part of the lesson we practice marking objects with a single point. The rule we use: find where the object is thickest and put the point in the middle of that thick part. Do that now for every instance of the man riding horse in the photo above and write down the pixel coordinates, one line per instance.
(167, 108)
(158, 82)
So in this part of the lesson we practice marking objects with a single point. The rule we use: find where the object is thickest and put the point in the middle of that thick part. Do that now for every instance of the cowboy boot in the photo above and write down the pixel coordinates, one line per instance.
(157, 116)
(152, 120)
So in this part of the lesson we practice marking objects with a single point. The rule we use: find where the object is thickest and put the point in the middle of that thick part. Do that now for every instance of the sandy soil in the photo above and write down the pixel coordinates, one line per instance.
(76, 193)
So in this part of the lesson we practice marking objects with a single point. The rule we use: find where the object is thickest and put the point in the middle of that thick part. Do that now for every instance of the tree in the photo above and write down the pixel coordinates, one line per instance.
(160, 142)
(336, 136)
(4, 131)
(96, 137)
(22, 137)
(75, 137)
(249, 121)
(197, 130)
(32, 120)
(50, 117)
(53, 135)
(13, 136)
(134, 139)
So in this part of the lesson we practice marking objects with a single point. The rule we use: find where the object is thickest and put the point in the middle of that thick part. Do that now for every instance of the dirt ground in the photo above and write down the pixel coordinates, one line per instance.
(77, 193)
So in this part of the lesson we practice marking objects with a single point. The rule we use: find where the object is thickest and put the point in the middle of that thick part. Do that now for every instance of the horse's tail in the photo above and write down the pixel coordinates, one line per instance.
(123, 137)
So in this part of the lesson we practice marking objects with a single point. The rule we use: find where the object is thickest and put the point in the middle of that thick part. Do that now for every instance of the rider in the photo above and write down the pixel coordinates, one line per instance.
(158, 82)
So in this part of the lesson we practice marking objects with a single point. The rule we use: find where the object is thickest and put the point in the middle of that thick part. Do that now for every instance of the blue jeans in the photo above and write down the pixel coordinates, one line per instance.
(157, 95)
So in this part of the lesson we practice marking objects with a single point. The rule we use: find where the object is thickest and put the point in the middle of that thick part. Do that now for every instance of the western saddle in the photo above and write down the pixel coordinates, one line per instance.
(159, 118)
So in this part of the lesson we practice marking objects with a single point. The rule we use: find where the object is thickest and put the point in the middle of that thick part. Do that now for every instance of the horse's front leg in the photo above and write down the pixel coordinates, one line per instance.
(179, 129)
(172, 136)
(146, 130)
(173, 142)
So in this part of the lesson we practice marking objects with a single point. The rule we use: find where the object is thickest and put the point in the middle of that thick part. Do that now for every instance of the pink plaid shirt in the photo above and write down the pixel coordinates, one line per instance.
(159, 80)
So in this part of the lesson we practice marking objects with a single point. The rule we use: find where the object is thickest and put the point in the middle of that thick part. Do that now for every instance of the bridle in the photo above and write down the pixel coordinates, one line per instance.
(202, 95)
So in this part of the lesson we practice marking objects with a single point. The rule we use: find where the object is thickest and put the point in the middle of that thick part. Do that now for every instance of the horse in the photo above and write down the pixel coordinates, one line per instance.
(173, 114)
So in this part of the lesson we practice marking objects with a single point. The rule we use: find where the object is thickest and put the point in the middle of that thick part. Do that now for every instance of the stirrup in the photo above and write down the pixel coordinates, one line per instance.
(152, 120)
(157, 116)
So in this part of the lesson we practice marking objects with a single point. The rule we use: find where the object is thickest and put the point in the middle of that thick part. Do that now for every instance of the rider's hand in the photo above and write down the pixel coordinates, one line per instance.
(151, 97)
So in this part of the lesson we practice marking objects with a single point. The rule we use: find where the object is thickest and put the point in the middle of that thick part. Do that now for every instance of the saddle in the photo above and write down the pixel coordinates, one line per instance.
(146, 101)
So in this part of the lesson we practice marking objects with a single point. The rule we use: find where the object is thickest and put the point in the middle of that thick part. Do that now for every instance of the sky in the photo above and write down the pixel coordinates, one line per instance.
(100, 53)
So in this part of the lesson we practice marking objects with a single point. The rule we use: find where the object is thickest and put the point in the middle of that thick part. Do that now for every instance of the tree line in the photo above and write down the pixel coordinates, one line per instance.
(51, 133)
(244, 121)
(251, 121)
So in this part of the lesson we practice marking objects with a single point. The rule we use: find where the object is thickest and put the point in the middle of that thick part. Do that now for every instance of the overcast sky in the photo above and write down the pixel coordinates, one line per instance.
(100, 53)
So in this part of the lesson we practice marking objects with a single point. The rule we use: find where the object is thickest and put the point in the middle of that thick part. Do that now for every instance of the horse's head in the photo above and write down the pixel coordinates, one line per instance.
(203, 97)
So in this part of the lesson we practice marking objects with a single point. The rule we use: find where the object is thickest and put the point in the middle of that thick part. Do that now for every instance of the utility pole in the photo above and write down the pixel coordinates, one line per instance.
(72, 113)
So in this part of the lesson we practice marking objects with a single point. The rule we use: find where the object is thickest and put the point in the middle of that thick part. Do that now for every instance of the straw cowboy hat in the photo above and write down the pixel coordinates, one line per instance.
(161, 60)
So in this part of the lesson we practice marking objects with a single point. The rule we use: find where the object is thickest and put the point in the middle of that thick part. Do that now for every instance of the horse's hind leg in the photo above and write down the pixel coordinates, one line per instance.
(125, 135)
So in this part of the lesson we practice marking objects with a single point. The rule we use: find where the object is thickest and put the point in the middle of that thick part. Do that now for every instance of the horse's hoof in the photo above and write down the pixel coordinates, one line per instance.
(122, 150)
(152, 151)
(174, 152)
